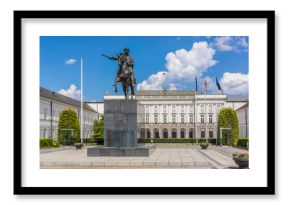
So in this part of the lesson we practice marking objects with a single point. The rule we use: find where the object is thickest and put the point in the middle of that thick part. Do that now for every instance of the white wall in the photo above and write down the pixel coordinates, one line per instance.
(57, 108)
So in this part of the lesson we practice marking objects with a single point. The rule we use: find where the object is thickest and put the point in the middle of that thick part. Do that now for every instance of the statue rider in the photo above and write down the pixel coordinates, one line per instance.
(128, 62)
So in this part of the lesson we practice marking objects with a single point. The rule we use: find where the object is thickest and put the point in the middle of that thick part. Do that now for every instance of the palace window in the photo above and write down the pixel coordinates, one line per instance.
(202, 118)
(202, 134)
(164, 118)
(182, 119)
(164, 106)
(210, 134)
(155, 106)
(173, 118)
(155, 118)
(147, 118)
(191, 118)
(210, 118)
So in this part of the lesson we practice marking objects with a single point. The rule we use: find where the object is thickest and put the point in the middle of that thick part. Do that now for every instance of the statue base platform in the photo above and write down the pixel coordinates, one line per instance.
(139, 151)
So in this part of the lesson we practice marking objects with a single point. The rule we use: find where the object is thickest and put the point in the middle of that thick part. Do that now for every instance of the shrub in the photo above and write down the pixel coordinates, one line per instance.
(47, 143)
(228, 118)
(243, 142)
(55, 143)
(68, 127)
(99, 140)
(98, 128)
(92, 139)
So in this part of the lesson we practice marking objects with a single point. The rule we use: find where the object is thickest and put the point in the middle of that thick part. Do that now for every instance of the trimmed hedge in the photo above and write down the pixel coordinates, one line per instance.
(97, 140)
(176, 140)
(47, 143)
(243, 142)
(228, 118)
(68, 120)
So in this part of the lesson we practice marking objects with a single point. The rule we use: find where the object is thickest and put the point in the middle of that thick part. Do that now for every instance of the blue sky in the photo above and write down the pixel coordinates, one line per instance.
(180, 58)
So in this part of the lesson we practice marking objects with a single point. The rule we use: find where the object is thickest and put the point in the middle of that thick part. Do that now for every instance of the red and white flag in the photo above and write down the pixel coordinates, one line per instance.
(205, 85)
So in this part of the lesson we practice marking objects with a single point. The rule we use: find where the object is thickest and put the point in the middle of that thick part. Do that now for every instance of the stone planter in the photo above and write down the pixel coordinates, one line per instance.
(242, 162)
(203, 146)
(78, 145)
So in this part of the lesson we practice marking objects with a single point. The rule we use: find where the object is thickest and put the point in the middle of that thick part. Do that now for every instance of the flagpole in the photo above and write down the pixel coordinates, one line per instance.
(194, 90)
(81, 100)
(216, 118)
(195, 130)
(205, 117)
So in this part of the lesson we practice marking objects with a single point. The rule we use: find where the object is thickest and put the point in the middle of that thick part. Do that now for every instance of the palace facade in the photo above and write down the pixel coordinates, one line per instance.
(161, 114)
(180, 113)
(52, 104)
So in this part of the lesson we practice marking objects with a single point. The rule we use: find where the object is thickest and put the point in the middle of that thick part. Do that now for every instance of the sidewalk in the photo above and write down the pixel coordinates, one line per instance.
(184, 157)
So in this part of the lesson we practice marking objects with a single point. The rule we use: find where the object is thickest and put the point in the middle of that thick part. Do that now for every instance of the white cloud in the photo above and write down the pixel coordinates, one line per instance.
(182, 66)
(71, 92)
(235, 83)
(70, 61)
(230, 43)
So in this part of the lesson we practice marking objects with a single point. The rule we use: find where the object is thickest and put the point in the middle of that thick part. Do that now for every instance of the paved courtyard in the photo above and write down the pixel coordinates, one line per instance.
(191, 157)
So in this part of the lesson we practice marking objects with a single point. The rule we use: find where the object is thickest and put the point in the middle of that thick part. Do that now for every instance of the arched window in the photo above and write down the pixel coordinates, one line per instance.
(182, 133)
(202, 134)
(173, 133)
(165, 133)
(156, 133)
(191, 131)
(210, 134)
(148, 133)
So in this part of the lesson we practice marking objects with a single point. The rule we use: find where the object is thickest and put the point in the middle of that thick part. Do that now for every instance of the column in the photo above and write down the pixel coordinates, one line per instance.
(151, 133)
(186, 133)
(178, 132)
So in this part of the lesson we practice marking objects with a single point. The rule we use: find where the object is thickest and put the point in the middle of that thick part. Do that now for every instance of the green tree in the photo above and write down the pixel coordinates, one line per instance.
(68, 124)
(228, 118)
(98, 128)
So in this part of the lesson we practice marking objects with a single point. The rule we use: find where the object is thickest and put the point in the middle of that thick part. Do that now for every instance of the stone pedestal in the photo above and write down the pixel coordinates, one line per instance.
(121, 130)
(120, 123)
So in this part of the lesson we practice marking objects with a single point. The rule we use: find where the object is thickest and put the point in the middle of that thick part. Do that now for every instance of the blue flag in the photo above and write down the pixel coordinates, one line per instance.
(195, 84)
(217, 84)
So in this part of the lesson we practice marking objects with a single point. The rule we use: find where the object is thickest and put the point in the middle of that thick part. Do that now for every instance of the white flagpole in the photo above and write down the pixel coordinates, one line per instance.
(81, 100)
(205, 116)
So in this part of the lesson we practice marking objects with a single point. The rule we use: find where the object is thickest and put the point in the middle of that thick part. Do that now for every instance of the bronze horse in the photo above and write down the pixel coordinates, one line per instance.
(125, 77)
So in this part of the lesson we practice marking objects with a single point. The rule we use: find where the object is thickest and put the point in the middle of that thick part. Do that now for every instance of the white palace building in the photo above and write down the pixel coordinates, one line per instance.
(51, 105)
(161, 113)
(180, 113)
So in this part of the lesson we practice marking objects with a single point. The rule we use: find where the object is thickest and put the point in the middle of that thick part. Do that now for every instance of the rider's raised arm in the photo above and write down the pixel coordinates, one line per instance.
(113, 58)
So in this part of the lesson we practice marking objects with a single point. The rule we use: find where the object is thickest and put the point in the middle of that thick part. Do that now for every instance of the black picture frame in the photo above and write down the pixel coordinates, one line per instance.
(19, 189)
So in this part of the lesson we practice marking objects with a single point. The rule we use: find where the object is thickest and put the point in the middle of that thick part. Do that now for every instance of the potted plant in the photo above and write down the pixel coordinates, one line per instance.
(241, 159)
(78, 145)
(204, 145)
